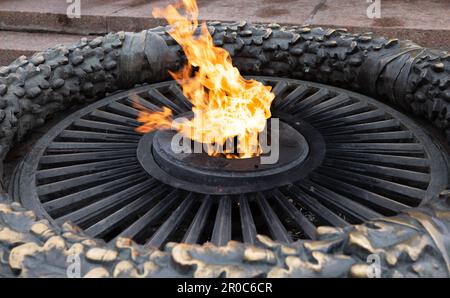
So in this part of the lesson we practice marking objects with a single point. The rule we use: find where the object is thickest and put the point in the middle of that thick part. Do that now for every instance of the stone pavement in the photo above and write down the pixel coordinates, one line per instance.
(32, 25)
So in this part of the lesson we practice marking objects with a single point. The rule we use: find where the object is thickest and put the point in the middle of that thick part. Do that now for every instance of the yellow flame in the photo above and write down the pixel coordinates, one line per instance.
(225, 105)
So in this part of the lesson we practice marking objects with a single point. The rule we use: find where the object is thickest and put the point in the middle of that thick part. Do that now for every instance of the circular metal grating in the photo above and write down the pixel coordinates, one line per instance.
(85, 170)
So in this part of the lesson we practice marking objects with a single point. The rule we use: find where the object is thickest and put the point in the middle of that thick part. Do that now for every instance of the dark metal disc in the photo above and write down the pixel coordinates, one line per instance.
(301, 150)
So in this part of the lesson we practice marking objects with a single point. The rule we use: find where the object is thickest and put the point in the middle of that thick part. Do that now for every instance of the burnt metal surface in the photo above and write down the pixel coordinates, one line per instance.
(363, 160)
(414, 243)
(217, 175)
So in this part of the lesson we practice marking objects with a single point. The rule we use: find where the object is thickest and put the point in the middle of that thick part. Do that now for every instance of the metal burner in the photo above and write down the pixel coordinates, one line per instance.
(199, 172)
(354, 159)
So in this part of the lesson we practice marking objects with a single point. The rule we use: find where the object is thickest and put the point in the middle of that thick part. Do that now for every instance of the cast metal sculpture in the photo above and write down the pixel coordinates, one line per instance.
(413, 243)
(349, 159)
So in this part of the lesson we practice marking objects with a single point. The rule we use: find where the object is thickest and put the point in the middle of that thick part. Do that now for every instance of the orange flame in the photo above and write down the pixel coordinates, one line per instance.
(225, 105)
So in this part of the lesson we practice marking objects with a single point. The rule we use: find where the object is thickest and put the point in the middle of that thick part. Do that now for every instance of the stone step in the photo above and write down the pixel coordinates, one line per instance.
(15, 44)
